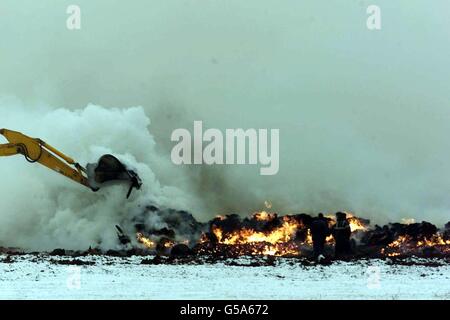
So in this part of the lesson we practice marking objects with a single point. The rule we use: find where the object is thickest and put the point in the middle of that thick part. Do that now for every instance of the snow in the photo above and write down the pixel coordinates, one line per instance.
(37, 277)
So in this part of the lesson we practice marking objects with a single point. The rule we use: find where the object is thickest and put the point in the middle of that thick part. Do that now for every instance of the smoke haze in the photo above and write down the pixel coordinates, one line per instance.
(363, 115)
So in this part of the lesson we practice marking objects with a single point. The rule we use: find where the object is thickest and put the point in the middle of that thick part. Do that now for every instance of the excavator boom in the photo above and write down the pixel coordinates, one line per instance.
(36, 150)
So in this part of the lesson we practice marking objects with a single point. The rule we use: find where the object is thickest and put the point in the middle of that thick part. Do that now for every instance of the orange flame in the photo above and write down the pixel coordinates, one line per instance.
(274, 242)
(405, 244)
(355, 222)
(264, 216)
(145, 241)
(284, 233)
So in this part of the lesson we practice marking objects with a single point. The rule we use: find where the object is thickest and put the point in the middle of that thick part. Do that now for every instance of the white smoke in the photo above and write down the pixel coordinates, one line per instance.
(41, 209)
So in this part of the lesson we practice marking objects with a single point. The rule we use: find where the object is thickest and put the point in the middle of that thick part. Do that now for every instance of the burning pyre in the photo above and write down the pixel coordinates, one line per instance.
(406, 245)
(267, 233)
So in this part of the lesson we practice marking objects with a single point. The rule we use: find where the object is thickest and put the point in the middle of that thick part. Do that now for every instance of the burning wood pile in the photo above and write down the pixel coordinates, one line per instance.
(416, 239)
(268, 234)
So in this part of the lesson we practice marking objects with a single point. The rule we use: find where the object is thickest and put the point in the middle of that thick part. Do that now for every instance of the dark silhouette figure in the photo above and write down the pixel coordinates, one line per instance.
(341, 233)
(319, 232)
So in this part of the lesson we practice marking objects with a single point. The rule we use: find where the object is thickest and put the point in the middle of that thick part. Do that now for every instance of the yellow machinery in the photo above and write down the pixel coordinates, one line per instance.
(107, 169)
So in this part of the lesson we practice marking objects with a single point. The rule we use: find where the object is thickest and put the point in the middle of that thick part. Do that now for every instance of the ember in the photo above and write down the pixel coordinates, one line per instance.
(268, 240)
(145, 241)
(355, 222)
(268, 234)
(406, 245)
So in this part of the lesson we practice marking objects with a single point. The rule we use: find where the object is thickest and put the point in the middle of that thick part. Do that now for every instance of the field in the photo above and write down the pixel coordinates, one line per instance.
(41, 276)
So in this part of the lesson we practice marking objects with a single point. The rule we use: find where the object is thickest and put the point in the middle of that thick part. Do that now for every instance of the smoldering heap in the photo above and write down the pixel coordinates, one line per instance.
(269, 234)
(173, 234)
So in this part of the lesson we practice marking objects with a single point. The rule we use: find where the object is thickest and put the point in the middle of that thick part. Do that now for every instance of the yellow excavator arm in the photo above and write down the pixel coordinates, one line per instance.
(36, 150)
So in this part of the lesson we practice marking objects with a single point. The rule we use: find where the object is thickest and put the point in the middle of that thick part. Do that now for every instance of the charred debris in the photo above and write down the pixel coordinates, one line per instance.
(168, 235)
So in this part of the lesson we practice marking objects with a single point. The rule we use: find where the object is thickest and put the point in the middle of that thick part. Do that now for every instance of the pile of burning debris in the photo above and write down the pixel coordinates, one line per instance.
(173, 234)
(268, 234)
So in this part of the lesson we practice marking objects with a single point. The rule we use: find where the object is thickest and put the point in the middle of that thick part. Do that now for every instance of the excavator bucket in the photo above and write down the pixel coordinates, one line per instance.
(109, 170)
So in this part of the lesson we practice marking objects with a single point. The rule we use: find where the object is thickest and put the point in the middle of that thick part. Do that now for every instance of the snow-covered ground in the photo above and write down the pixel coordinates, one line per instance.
(36, 277)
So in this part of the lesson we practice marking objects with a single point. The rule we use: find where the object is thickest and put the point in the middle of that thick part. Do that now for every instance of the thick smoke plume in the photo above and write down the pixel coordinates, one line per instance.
(41, 209)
